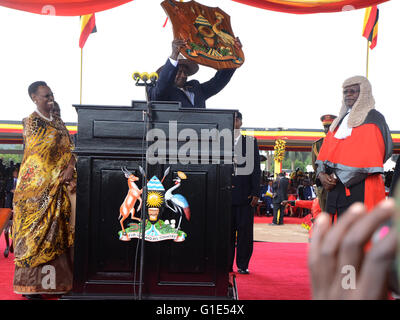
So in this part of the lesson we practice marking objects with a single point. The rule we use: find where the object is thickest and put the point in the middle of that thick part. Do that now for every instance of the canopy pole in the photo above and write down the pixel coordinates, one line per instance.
(80, 99)
(367, 71)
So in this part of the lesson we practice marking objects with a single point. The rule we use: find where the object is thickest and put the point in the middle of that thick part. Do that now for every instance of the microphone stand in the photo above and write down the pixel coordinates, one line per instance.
(147, 118)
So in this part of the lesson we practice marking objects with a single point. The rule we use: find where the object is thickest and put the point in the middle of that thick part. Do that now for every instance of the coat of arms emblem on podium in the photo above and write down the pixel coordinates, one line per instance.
(157, 200)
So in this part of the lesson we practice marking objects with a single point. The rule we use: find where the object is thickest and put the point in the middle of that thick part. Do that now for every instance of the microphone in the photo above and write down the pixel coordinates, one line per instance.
(145, 79)
(136, 76)
(144, 76)
(153, 77)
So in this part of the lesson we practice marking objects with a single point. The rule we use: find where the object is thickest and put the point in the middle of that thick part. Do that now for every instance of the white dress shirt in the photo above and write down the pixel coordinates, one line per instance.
(344, 131)
(189, 94)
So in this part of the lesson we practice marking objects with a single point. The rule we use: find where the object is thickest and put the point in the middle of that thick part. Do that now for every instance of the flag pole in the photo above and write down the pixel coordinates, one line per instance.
(367, 58)
(80, 100)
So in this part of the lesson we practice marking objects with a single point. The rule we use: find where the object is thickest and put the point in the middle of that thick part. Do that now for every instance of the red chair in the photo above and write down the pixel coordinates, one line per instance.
(289, 209)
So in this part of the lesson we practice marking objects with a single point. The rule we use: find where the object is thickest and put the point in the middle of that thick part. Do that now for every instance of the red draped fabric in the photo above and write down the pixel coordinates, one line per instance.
(83, 7)
(62, 7)
(310, 6)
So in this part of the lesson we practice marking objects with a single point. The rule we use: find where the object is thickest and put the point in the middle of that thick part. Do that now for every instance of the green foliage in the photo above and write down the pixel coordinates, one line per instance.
(295, 160)
(7, 157)
(17, 158)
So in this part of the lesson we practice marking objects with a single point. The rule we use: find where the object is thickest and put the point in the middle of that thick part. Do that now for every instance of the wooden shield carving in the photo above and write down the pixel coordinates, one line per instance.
(208, 32)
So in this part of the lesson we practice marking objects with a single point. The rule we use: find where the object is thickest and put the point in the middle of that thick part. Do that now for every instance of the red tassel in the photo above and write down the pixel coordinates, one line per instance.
(165, 23)
(348, 194)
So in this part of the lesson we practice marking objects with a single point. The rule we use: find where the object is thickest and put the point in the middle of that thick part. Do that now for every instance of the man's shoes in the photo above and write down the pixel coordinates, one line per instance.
(241, 271)
(272, 224)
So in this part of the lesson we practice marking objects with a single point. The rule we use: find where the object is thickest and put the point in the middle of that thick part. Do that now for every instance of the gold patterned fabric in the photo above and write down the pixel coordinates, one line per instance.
(42, 209)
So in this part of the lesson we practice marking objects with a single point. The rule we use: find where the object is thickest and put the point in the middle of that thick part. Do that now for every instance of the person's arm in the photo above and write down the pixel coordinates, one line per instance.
(168, 72)
(337, 257)
(291, 203)
(177, 45)
(220, 80)
(255, 176)
(217, 83)
(165, 82)
(306, 204)
(328, 181)
(67, 174)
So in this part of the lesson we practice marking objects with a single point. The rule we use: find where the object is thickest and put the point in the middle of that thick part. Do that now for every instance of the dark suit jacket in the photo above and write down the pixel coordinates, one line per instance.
(281, 186)
(165, 89)
(244, 186)
(395, 178)
(9, 194)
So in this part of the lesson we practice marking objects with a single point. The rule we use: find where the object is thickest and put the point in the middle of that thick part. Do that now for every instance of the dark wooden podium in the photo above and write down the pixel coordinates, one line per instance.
(111, 137)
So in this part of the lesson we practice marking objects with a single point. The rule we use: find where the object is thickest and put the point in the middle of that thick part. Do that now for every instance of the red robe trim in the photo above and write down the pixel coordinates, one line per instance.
(354, 154)
(355, 150)
(375, 189)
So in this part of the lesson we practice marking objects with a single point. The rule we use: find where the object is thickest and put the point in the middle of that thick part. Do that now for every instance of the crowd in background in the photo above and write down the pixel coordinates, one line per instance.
(302, 186)
(8, 173)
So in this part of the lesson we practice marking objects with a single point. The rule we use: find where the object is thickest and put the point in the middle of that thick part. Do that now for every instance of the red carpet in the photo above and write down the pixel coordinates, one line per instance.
(7, 274)
(287, 220)
(278, 271)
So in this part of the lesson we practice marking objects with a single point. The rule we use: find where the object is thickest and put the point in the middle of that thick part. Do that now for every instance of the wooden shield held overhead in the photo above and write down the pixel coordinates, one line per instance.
(211, 41)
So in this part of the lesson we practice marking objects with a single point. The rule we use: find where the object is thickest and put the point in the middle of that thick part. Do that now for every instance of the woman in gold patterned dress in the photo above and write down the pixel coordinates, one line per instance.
(42, 229)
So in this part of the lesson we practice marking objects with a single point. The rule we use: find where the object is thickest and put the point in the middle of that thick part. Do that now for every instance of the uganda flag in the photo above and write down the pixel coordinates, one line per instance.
(370, 30)
(88, 26)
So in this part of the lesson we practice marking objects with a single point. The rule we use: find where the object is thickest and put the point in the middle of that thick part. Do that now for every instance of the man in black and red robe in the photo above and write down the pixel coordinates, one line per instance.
(350, 162)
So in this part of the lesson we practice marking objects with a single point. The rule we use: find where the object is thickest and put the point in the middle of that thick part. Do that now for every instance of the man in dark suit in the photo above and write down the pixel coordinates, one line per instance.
(172, 84)
(245, 195)
(280, 186)
(395, 178)
(11, 183)
(10, 188)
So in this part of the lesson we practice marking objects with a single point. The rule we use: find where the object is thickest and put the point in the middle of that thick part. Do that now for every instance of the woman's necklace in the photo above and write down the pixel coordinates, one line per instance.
(44, 117)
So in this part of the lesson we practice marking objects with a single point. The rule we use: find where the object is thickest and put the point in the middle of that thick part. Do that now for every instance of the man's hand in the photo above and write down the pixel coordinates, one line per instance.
(67, 174)
(72, 186)
(177, 45)
(334, 250)
(328, 181)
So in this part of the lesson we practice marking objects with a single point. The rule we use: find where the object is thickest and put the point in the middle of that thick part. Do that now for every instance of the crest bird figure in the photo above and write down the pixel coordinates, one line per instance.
(225, 37)
(177, 202)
